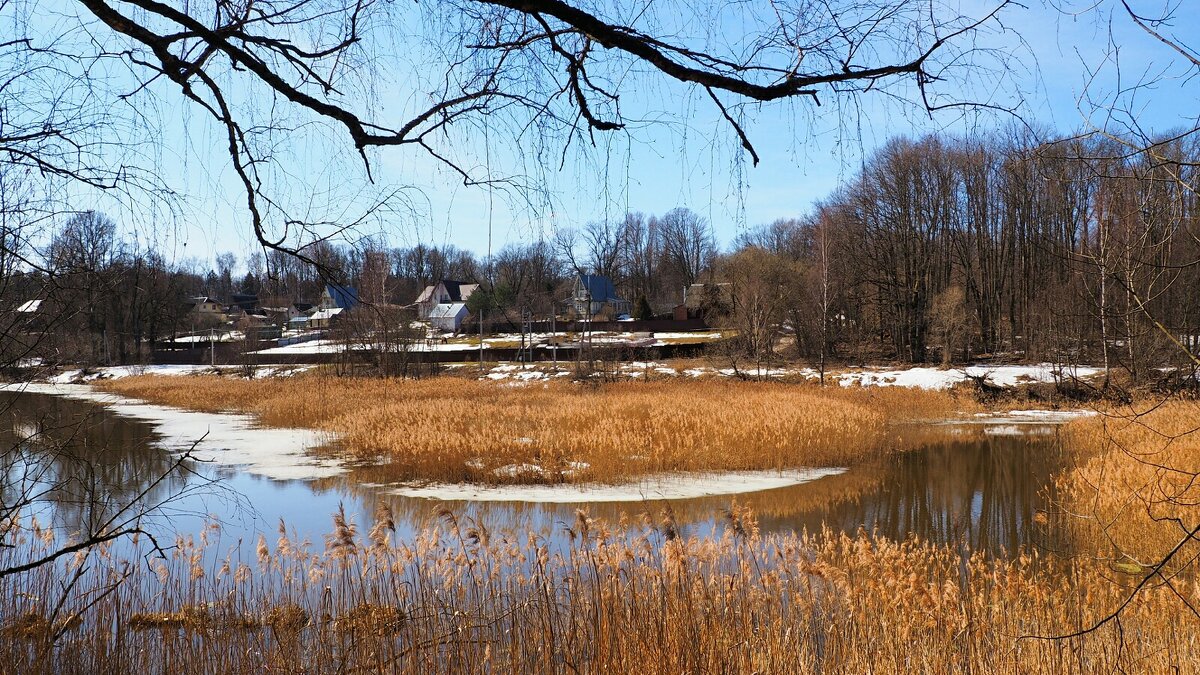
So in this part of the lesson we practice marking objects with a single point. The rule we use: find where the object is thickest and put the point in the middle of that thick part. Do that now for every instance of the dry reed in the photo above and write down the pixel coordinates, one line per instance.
(1133, 495)
(455, 599)
(457, 430)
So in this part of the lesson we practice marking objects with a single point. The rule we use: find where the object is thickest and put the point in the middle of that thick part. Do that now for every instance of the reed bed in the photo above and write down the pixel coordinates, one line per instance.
(458, 430)
(1132, 496)
(634, 598)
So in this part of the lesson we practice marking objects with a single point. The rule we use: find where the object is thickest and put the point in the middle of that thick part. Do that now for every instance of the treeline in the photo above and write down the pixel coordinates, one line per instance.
(650, 259)
(1074, 250)
(90, 296)
(937, 250)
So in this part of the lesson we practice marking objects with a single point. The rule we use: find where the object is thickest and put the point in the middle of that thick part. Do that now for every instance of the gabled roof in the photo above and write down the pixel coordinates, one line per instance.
(458, 291)
(30, 306)
(600, 288)
(326, 314)
(447, 310)
(426, 294)
(344, 297)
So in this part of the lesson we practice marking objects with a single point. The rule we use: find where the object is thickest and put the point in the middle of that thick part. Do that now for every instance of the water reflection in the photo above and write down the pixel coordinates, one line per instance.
(961, 485)
(83, 464)
(984, 490)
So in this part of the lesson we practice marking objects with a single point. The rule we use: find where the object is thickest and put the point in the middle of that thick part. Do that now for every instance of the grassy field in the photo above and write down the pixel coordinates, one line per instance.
(461, 430)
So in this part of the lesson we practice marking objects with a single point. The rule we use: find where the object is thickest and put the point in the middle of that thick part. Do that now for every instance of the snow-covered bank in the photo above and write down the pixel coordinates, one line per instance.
(1020, 422)
(226, 438)
(76, 376)
(918, 377)
(665, 486)
(1039, 417)
(935, 378)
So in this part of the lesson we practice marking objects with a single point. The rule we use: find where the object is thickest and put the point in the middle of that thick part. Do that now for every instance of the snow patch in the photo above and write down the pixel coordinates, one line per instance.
(662, 486)
(1030, 417)
(935, 378)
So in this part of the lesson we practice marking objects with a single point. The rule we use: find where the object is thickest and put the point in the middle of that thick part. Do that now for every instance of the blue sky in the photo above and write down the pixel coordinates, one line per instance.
(687, 156)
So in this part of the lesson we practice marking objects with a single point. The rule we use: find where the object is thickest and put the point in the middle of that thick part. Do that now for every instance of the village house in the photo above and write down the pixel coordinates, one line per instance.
(335, 301)
(594, 296)
(247, 302)
(701, 300)
(444, 292)
(29, 315)
(336, 296)
(204, 311)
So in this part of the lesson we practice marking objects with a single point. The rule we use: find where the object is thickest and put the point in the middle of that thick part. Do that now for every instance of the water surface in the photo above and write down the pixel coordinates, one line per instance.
(961, 485)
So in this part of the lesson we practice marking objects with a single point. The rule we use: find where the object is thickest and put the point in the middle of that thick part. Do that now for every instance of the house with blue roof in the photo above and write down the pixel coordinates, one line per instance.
(337, 296)
(594, 295)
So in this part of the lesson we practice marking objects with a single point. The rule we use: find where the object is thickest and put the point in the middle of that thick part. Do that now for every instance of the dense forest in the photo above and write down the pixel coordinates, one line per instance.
(938, 249)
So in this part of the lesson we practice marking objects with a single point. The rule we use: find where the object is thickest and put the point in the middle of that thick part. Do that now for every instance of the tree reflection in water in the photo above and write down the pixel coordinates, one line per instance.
(77, 465)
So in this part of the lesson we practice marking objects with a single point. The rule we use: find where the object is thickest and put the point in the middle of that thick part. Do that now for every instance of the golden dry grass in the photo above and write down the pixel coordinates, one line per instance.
(454, 429)
(1133, 495)
(452, 598)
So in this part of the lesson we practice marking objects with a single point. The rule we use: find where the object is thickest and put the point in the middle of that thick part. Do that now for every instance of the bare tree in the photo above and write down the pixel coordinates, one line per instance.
(688, 245)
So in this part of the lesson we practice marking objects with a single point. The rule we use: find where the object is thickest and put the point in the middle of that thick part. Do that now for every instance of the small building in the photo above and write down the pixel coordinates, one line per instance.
(205, 310)
(702, 300)
(594, 296)
(337, 296)
(448, 317)
(444, 292)
(29, 316)
(424, 302)
(29, 307)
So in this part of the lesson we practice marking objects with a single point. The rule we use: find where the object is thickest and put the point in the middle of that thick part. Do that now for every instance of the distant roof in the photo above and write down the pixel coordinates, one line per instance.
(344, 297)
(426, 293)
(599, 287)
(244, 300)
(326, 314)
(458, 291)
(702, 294)
(447, 310)
(30, 306)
